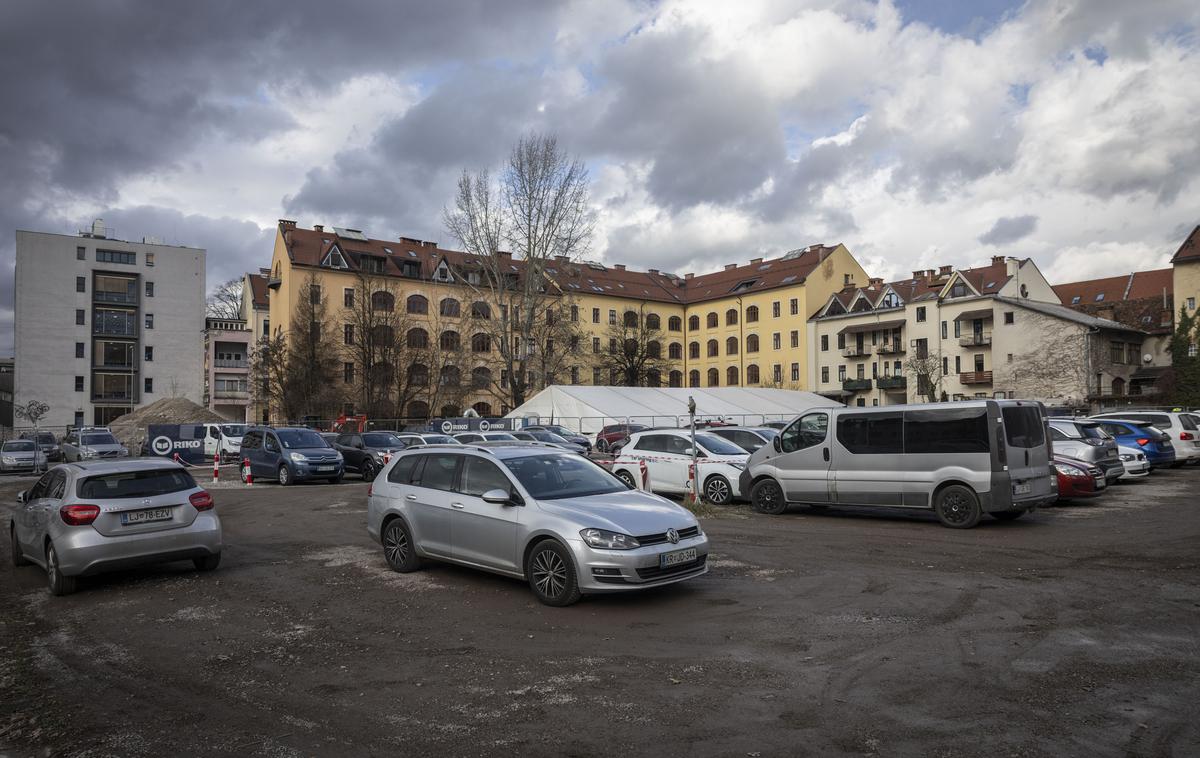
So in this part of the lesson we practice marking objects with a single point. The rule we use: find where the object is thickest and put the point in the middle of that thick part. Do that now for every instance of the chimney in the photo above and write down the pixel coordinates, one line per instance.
(429, 244)
(945, 270)
(688, 276)
(875, 282)
(318, 227)
(619, 266)
(729, 266)
(504, 253)
(929, 273)
(285, 223)
(653, 271)
(997, 260)
(755, 261)
(561, 258)
(1012, 265)
(918, 274)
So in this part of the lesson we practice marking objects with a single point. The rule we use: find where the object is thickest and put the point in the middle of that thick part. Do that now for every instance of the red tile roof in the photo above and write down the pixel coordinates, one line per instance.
(1135, 286)
(987, 279)
(1190, 249)
(258, 289)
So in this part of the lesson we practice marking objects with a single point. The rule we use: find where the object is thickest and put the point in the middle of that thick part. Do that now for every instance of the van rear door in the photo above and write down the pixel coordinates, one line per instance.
(1028, 453)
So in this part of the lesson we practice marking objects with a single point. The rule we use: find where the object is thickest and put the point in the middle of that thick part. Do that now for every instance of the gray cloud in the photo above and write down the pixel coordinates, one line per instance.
(1009, 229)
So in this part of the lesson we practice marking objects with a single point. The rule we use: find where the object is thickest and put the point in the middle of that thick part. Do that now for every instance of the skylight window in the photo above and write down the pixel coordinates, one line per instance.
(411, 254)
(788, 280)
(387, 250)
(1099, 297)
(743, 286)
(764, 267)
(1075, 300)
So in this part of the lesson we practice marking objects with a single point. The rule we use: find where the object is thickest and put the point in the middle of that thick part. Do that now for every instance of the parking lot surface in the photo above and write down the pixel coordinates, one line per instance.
(1070, 632)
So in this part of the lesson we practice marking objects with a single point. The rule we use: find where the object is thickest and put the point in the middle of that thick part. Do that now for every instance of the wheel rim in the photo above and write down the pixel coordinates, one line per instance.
(396, 547)
(768, 496)
(52, 567)
(368, 472)
(956, 508)
(627, 479)
(283, 475)
(549, 573)
(717, 490)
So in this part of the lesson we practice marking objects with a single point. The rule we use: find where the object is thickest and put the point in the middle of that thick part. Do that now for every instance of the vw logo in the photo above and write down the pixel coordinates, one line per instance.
(672, 536)
(447, 427)
(161, 445)
(484, 425)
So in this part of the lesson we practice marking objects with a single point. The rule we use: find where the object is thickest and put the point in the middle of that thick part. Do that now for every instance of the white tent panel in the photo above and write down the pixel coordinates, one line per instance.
(589, 408)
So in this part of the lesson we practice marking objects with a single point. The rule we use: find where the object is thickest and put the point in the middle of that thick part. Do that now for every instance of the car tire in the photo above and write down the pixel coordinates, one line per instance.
(1008, 515)
(601, 446)
(18, 558)
(627, 477)
(285, 476)
(551, 574)
(59, 583)
(368, 472)
(208, 562)
(767, 497)
(398, 549)
(244, 473)
(957, 507)
(717, 490)
(616, 450)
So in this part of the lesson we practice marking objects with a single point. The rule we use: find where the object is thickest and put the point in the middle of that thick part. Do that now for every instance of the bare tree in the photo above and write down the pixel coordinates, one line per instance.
(537, 209)
(374, 341)
(226, 300)
(926, 370)
(268, 372)
(312, 384)
(634, 350)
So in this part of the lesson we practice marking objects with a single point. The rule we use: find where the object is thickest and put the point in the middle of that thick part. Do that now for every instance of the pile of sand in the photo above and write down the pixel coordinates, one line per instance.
(130, 429)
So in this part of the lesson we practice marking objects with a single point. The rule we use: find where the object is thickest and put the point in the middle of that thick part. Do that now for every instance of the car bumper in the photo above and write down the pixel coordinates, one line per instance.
(1136, 470)
(624, 570)
(304, 472)
(83, 551)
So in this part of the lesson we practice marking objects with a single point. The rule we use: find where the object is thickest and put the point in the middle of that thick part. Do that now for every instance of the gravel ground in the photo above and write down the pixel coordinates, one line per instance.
(1073, 632)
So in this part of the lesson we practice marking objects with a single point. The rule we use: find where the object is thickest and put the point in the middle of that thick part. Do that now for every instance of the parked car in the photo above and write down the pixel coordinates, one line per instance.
(88, 443)
(960, 460)
(223, 440)
(467, 438)
(410, 439)
(1078, 478)
(555, 519)
(1181, 427)
(668, 457)
(19, 457)
(289, 454)
(366, 453)
(616, 433)
(776, 424)
(1134, 460)
(1085, 440)
(1153, 442)
(574, 438)
(87, 518)
(748, 438)
(550, 438)
(51, 450)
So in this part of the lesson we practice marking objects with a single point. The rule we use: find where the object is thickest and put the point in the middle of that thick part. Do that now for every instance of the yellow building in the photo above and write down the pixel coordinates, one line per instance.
(1185, 265)
(741, 326)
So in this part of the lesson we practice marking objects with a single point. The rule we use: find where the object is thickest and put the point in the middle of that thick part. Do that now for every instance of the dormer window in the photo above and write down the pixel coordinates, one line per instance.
(743, 286)
(334, 259)
(890, 300)
(371, 264)
(959, 290)
(442, 273)
(411, 269)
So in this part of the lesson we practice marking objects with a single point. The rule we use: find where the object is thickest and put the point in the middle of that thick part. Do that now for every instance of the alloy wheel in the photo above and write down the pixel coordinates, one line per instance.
(549, 573)
(956, 509)
(396, 546)
(717, 490)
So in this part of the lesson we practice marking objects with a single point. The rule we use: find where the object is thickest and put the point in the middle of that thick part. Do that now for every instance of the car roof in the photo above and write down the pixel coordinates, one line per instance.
(502, 449)
(124, 464)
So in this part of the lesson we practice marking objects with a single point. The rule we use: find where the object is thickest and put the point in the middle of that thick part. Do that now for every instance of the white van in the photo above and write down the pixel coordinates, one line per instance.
(224, 439)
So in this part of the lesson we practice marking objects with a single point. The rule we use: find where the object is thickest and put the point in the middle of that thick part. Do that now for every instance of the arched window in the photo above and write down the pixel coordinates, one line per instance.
(418, 409)
(382, 335)
(653, 321)
(752, 314)
(693, 378)
(383, 301)
(450, 411)
(449, 307)
(481, 377)
(675, 351)
(418, 304)
(731, 376)
(731, 317)
(693, 324)
(418, 376)
(1118, 386)
(674, 324)
(714, 377)
(653, 378)
(675, 379)
(450, 376)
(752, 374)
(653, 349)
(481, 343)
(731, 346)
(693, 349)
(714, 348)
(483, 408)
(713, 320)
(631, 319)
(418, 338)
(751, 343)
(449, 340)
(480, 310)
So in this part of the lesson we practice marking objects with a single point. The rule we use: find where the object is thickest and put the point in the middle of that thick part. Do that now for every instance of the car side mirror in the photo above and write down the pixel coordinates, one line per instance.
(775, 443)
(497, 496)
(21, 497)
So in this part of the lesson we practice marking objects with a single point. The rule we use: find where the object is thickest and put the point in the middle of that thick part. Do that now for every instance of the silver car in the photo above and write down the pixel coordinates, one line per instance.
(552, 518)
(20, 457)
(87, 444)
(87, 518)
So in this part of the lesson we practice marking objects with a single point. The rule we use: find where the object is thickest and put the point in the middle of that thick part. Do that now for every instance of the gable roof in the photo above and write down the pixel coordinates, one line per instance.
(1068, 314)
(258, 288)
(1134, 286)
(924, 285)
(1190, 249)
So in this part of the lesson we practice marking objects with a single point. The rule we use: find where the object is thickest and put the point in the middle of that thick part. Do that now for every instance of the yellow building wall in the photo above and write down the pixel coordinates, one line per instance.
(1185, 283)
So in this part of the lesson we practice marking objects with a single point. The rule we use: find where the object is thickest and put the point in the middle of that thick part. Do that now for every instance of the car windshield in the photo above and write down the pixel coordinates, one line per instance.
(494, 436)
(126, 484)
(767, 433)
(98, 439)
(300, 439)
(440, 439)
(715, 445)
(233, 430)
(18, 446)
(379, 439)
(562, 475)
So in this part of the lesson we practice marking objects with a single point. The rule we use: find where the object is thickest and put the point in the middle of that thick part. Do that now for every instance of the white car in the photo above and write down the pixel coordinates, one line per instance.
(1182, 428)
(1134, 460)
(668, 454)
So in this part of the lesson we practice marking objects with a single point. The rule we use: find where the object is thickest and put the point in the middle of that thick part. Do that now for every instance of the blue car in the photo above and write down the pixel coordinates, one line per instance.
(1151, 441)
(289, 455)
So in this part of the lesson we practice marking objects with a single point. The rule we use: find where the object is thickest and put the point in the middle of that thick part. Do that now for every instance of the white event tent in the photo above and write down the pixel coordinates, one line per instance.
(587, 409)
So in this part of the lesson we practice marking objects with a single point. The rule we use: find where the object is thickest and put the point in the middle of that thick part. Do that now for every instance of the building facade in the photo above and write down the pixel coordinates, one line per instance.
(1185, 273)
(104, 326)
(227, 368)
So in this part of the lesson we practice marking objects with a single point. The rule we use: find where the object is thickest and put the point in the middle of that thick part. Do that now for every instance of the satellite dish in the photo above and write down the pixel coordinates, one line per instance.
(1147, 358)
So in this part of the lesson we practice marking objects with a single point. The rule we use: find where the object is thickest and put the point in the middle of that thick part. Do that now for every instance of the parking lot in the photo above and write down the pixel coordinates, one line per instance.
(1073, 631)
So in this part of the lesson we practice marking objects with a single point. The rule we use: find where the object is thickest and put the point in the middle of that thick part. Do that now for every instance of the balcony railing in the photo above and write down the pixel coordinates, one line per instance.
(890, 348)
(108, 296)
(232, 394)
(892, 382)
(975, 377)
(228, 363)
(110, 396)
(975, 340)
(856, 385)
(102, 329)
(854, 351)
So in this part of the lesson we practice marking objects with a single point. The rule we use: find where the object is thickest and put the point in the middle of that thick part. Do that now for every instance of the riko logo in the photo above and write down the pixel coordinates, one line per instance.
(161, 445)
(484, 425)
(447, 427)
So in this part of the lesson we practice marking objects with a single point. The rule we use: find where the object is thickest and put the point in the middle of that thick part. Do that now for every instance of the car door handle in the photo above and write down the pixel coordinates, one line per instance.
(825, 451)
(457, 505)
(410, 497)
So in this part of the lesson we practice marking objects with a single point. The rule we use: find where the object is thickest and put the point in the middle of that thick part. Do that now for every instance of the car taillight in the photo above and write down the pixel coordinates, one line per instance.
(78, 515)
(201, 501)
(1143, 440)
(370, 488)
(1185, 436)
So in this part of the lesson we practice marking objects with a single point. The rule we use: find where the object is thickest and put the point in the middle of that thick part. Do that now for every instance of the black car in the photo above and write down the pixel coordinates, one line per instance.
(48, 445)
(366, 452)
(570, 436)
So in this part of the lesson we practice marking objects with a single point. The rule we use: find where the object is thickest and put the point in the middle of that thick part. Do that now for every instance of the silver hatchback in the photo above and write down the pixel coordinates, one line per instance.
(87, 518)
(552, 518)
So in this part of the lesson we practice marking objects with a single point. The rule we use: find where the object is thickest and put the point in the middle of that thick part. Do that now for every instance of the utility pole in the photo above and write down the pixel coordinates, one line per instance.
(695, 473)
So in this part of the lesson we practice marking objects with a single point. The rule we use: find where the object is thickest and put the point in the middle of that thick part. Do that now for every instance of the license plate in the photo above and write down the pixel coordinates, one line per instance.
(679, 556)
(1022, 489)
(324, 468)
(1101, 483)
(143, 516)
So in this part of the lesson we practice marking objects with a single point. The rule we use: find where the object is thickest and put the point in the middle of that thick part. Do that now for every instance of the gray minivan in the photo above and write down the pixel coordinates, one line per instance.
(289, 454)
(959, 459)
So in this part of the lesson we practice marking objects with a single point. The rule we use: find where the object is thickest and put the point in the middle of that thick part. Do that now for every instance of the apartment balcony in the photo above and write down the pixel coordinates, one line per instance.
(227, 363)
(232, 394)
(889, 348)
(975, 377)
(892, 383)
(855, 352)
(120, 298)
(856, 385)
(976, 340)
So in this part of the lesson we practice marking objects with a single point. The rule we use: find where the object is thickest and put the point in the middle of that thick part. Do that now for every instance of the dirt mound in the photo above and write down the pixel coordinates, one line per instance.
(130, 429)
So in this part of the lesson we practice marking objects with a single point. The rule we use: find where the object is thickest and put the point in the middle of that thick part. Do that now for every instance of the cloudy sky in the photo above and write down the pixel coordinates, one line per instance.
(918, 133)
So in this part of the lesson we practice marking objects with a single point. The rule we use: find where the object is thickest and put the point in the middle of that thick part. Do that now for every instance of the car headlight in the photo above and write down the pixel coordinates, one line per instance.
(1069, 470)
(339, 456)
(87, 454)
(124, 452)
(298, 457)
(1126, 457)
(8, 460)
(737, 464)
(607, 540)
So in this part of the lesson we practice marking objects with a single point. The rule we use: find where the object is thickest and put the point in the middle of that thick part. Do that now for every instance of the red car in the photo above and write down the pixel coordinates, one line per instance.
(616, 434)
(1078, 479)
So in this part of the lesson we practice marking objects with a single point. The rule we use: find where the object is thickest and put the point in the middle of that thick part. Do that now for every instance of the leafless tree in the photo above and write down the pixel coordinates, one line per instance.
(373, 339)
(269, 373)
(538, 210)
(313, 384)
(926, 370)
(226, 300)
(633, 350)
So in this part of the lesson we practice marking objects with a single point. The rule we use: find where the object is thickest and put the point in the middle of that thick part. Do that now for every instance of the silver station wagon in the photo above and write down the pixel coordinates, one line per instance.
(553, 518)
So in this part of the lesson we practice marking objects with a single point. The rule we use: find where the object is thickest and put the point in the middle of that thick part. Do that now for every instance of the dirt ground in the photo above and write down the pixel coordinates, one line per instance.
(1072, 632)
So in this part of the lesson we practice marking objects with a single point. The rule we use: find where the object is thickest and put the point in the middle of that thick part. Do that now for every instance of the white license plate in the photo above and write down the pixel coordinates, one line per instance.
(143, 516)
(679, 556)
(325, 468)
(1101, 482)
(1022, 489)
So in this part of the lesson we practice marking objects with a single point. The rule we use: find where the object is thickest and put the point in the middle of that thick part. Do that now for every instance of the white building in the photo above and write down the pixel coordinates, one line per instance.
(104, 326)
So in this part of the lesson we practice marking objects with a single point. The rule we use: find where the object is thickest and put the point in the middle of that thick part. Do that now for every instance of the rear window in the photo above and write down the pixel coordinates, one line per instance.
(135, 484)
(1188, 421)
(1024, 427)
(949, 430)
(871, 433)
